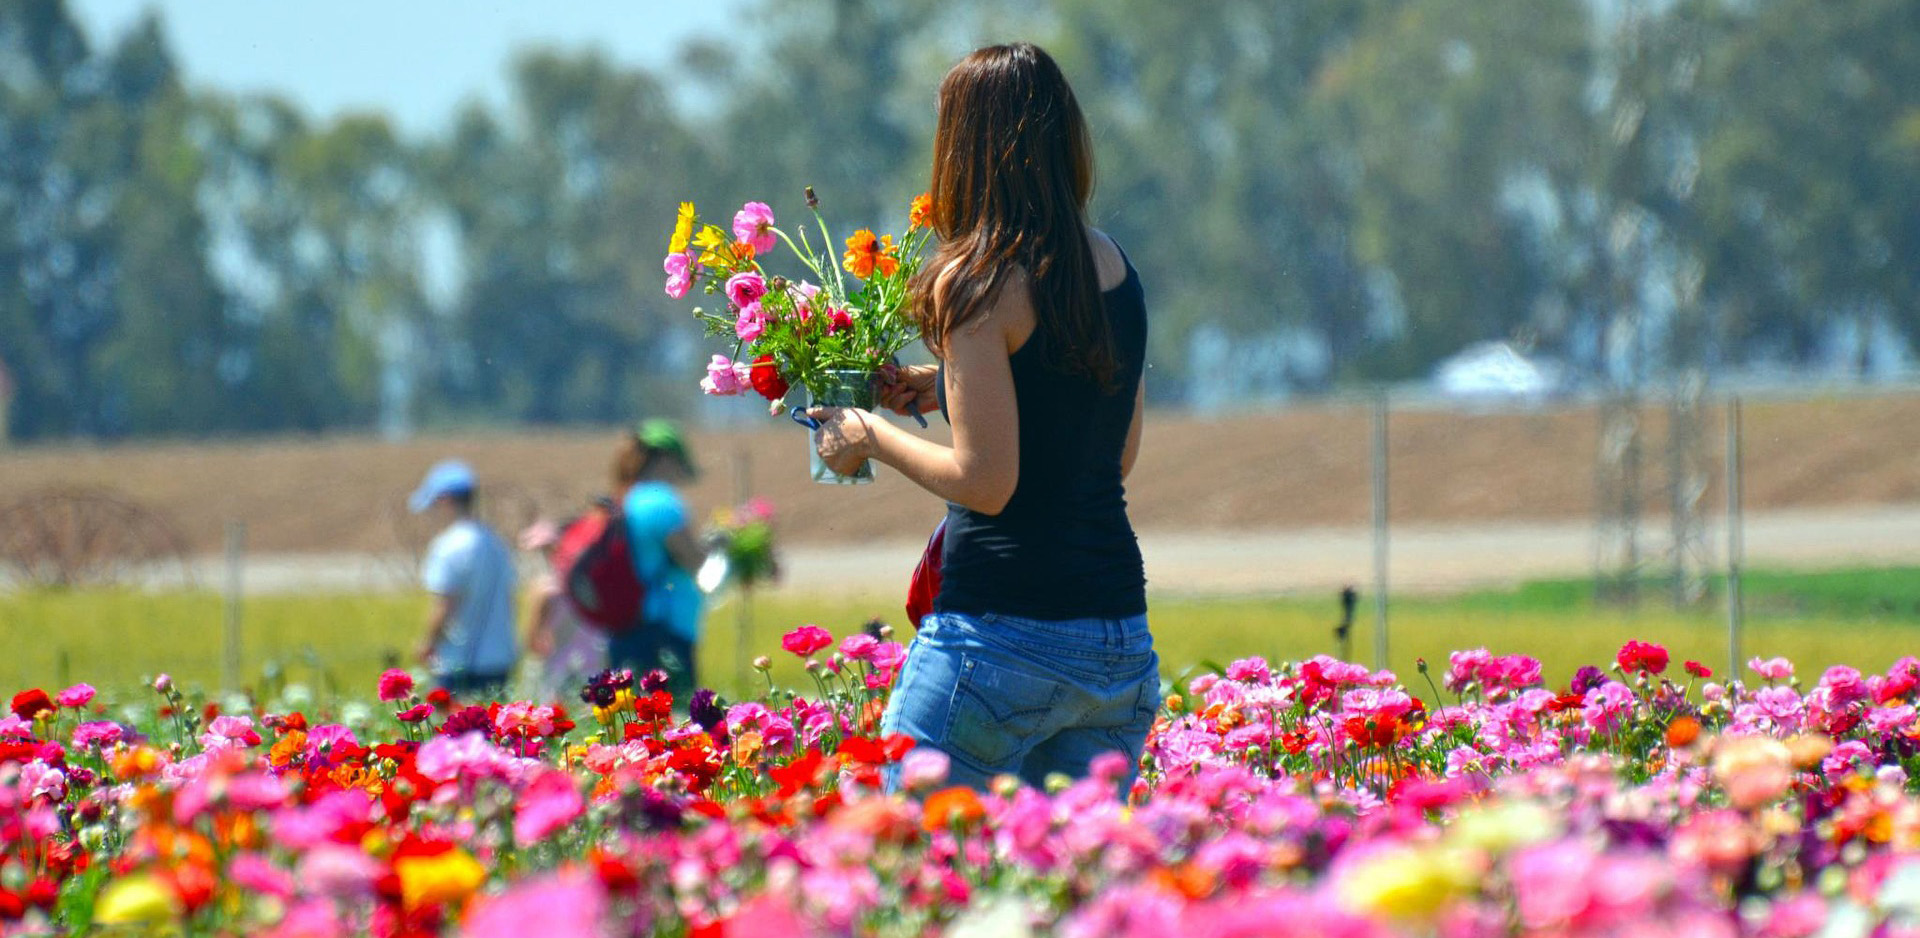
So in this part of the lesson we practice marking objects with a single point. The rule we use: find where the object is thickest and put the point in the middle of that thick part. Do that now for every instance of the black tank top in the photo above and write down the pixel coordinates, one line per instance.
(1062, 548)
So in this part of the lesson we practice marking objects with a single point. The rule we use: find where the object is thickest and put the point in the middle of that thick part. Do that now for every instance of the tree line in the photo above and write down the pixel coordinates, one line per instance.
(1630, 186)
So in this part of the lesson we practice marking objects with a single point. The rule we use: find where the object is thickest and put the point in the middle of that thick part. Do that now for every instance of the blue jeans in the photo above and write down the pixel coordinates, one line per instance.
(1006, 695)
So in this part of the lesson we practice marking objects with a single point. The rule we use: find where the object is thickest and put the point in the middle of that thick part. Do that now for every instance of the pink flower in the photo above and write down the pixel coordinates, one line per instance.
(1773, 669)
(806, 640)
(395, 685)
(681, 271)
(726, 377)
(75, 697)
(751, 322)
(859, 646)
(230, 731)
(416, 713)
(754, 225)
(888, 656)
(803, 294)
(256, 874)
(839, 319)
(163, 683)
(1250, 670)
(547, 805)
(746, 288)
(100, 734)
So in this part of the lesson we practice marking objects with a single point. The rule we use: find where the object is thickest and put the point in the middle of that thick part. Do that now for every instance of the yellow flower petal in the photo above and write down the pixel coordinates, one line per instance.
(682, 229)
(134, 900)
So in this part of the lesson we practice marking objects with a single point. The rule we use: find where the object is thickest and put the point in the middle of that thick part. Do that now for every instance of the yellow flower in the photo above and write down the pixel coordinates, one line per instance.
(682, 229)
(135, 900)
(1502, 828)
(439, 879)
(714, 245)
(1405, 882)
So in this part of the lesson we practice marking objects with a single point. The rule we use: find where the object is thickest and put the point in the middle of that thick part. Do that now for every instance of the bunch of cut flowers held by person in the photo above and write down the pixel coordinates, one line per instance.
(841, 316)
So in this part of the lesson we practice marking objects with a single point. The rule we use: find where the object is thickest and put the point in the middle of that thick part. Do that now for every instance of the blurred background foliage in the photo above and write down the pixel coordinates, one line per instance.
(1318, 193)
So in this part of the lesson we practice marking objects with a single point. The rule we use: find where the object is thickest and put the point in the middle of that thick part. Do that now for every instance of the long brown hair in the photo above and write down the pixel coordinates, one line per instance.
(1012, 172)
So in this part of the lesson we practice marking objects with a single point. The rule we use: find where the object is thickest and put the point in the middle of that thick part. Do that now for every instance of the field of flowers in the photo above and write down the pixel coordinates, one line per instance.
(1308, 798)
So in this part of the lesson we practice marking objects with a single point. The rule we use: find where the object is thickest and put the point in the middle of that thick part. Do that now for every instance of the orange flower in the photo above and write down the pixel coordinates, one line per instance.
(921, 214)
(1682, 731)
(949, 806)
(286, 749)
(866, 253)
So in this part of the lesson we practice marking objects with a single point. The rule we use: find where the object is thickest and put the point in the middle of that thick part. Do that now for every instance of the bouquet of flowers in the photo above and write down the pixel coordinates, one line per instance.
(740, 547)
(826, 333)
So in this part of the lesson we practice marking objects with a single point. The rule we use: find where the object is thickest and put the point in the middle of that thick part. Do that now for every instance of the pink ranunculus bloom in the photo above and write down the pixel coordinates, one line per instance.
(312, 918)
(840, 318)
(75, 697)
(1463, 667)
(803, 294)
(1250, 670)
(923, 767)
(415, 714)
(550, 803)
(746, 288)
(1773, 669)
(395, 685)
(726, 377)
(12, 727)
(681, 271)
(751, 322)
(257, 874)
(1799, 916)
(859, 646)
(754, 225)
(806, 640)
(888, 656)
(102, 734)
(230, 730)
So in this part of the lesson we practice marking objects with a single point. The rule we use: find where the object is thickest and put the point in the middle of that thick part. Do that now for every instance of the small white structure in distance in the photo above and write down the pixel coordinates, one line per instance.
(1496, 370)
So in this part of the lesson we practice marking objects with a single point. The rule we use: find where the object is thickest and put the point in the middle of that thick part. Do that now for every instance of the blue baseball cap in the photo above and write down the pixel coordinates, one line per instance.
(452, 477)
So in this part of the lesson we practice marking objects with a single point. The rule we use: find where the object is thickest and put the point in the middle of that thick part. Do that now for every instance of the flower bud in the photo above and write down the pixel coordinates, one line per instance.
(763, 663)
(813, 201)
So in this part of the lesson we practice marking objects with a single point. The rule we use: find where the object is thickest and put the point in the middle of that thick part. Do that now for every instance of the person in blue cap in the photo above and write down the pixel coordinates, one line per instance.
(469, 647)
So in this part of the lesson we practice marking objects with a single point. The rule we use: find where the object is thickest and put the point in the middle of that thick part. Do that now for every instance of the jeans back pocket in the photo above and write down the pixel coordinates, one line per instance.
(998, 712)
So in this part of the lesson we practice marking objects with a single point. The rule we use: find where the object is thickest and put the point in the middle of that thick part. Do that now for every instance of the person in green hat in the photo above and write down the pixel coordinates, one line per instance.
(652, 464)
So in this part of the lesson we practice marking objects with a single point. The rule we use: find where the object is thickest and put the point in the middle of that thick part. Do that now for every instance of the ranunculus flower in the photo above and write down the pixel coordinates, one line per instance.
(725, 377)
(681, 270)
(839, 319)
(1697, 669)
(806, 640)
(416, 713)
(395, 685)
(562, 905)
(1773, 669)
(746, 288)
(100, 734)
(858, 646)
(75, 697)
(31, 703)
(1642, 656)
(766, 379)
(753, 224)
(551, 802)
(751, 322)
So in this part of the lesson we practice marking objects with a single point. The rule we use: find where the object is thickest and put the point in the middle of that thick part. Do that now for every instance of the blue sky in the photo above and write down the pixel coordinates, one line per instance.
(415, 59)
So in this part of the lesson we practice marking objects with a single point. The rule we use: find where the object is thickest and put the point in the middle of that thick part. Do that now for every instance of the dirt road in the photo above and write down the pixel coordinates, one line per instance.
(1424, 558)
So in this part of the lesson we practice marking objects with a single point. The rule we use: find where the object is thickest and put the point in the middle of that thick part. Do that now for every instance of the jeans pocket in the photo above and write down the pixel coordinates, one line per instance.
(998, 713)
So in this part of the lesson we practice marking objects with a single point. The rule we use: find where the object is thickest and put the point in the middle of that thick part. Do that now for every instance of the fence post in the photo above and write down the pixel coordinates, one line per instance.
(1380, 531)
(1736, 539)
(743, 613)
(236, 547)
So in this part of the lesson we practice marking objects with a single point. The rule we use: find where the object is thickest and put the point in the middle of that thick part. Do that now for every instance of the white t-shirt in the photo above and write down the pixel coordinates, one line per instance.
(470, 565)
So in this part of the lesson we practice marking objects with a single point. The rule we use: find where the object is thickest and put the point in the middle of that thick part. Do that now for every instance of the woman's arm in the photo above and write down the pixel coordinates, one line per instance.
(982, 468)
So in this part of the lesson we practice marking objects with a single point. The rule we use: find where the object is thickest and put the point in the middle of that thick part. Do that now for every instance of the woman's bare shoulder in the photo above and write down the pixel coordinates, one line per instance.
(1108, 262)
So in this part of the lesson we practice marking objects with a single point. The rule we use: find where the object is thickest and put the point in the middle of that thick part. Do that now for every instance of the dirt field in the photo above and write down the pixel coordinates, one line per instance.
(1305, 468)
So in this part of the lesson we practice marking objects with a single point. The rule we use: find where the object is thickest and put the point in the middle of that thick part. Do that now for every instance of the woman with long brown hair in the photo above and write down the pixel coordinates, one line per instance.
(1036, 657)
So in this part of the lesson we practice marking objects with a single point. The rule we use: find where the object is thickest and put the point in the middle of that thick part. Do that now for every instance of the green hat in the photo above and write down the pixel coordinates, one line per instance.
(661, 436)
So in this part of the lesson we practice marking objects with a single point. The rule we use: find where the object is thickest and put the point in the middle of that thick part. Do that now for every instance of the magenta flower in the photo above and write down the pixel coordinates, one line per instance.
(859, 646)
(746, 288)
(806, 640)
(550, 803)
(754, 225)
(1773, 669)
(751, 322)
(106, 733)
(839, 319)
(681, 271)
(75, 697)
(1642, 656)
(415, 714)
(726, 377)
(395, 685)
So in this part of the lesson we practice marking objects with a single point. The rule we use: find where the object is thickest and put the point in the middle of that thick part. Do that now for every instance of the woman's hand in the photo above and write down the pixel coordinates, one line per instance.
(845, 438)
(908, 390)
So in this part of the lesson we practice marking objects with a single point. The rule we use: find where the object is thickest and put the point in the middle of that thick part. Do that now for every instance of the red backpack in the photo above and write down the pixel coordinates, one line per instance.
(594, 565)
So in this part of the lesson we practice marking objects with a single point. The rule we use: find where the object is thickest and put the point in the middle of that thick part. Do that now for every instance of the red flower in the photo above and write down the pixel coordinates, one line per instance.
(766, 378)
(1699, 670)
(1642, 656)
(31, 703)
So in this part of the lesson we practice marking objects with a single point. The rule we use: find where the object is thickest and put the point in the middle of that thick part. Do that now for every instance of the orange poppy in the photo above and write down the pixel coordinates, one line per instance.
(867, 252)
